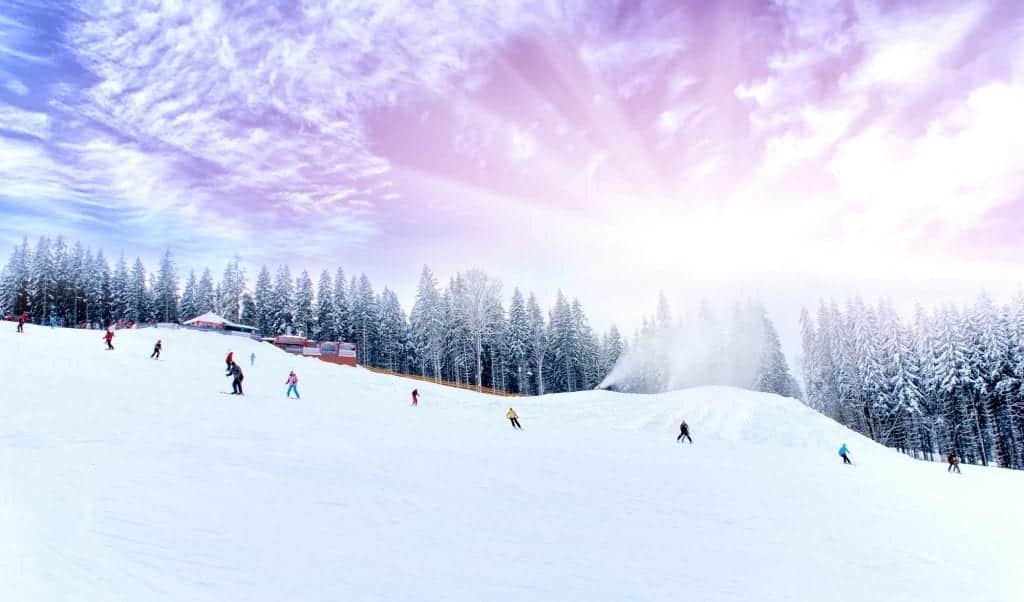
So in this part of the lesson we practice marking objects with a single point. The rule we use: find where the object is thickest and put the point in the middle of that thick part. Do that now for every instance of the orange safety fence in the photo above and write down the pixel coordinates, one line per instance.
(446, 383)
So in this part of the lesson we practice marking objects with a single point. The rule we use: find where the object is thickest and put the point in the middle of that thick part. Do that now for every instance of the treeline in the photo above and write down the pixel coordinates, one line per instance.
(742, 350)
(948, 381)
(462, 332)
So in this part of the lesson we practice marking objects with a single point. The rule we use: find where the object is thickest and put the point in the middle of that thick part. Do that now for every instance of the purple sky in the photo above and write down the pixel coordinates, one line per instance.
(789, 149)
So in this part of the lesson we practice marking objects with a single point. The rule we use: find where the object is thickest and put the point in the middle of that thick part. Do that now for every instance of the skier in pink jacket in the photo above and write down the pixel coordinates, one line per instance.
(293, 385)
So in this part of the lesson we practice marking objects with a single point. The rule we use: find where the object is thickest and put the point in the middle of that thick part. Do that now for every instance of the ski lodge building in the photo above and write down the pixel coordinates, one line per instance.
(328, 351)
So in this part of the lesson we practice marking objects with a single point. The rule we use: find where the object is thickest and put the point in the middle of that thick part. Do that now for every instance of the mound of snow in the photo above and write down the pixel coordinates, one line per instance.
(126, 478)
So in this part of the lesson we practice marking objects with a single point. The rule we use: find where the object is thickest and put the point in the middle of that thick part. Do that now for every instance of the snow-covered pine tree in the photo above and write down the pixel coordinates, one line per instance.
(478, 293)
(79, 260)
(304, 305)
(974, 353)
(166, 290)
(120, 294)
(902, 419)
(517, 341)
(867, 355)
(232, 286)
(562, 347)
(218, 307)
(342, 316)
(494, 345)
(18, 280)
(249, 314)
(773, 375)
(426, 328)
(364, 314)
(996, 377)
(587, 352)
(1015, 384)
(951, 386)
(205, 294)
(456, 361)
(189, 298)
(324, 309)
(263, 297)
(282, 302)
(393, 332)
(42, 280)
(97, 294)
(61, 276)
(139, 300)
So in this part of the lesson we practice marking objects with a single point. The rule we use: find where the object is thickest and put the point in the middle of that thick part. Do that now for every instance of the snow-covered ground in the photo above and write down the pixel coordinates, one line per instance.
(128, 479)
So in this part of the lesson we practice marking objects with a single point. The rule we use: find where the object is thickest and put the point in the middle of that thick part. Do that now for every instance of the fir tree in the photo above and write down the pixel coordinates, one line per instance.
(324, 310)
(517, 340)
(205, 294)
(190, 298)
(303, 319)
(263, 297)
(166, 291)
(426, 326)
(281, 306)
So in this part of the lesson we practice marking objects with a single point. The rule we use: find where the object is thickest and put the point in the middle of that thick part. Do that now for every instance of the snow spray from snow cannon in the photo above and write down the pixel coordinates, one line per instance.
(699, 352)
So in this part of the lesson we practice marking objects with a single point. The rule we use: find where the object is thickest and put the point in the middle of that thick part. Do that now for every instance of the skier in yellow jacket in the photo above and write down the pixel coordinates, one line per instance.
(513, 418)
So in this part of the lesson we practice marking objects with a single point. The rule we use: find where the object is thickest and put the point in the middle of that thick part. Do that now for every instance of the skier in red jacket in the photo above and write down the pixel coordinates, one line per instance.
(109, 337)
(21, 322)
(415, 397)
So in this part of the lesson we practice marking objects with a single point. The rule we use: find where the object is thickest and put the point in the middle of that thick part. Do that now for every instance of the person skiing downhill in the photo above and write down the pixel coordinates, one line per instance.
(415, 397)
(844, 452)
(21, 322)
(230, 359)
(513, 418)
(236, 373)
(252, 359)
(156, 350)
(109, 338)
(684, 432)
(293, 385)
(954, 463)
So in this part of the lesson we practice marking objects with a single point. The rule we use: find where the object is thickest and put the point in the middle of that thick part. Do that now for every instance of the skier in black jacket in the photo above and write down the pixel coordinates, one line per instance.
(684, 432)
(236, 384)
(156, 350)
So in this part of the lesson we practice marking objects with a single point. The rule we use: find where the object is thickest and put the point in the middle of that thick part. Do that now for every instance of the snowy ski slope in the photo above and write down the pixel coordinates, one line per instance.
(128, 479)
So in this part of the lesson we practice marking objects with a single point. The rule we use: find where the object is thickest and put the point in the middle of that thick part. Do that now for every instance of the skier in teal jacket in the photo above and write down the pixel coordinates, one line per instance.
(843, 451)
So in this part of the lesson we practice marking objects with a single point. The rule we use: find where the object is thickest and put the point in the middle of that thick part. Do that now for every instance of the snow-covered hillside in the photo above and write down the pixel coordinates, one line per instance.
(124, 478)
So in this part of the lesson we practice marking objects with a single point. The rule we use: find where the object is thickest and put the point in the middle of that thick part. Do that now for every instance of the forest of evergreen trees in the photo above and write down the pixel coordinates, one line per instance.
(460, 332)
(949, 381)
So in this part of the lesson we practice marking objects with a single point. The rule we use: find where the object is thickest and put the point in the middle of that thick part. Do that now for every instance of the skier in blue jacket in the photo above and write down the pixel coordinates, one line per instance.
(843, 451)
